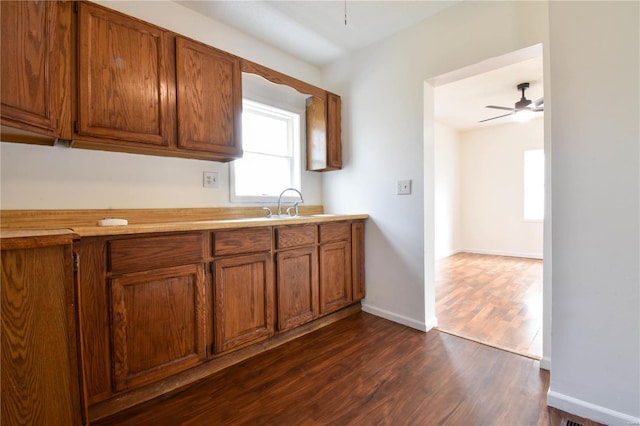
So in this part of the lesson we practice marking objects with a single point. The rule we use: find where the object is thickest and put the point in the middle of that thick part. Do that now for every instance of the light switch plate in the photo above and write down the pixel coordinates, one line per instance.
(403, 187)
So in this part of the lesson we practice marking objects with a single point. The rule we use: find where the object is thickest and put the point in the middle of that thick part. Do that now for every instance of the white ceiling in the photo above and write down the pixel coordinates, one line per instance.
(315, 31)
(462, 103)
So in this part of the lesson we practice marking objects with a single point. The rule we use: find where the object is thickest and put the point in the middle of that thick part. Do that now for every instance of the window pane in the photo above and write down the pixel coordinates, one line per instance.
(271, 163)
(266, 133)
(257, 174)
(534, 184)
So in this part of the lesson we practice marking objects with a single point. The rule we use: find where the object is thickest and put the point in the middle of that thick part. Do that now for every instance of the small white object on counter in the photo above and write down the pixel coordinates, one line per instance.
(112, 222)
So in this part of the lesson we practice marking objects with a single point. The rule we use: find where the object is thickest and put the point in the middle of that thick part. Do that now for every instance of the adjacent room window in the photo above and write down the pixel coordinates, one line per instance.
(271, 160)
(534, 185)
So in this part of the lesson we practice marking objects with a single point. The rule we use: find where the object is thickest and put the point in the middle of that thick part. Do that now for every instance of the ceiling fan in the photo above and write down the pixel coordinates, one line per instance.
(523, 105)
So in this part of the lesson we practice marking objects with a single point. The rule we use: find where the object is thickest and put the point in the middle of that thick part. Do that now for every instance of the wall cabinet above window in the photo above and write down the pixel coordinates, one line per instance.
(136, 87)
(323, 119)
(324, 141)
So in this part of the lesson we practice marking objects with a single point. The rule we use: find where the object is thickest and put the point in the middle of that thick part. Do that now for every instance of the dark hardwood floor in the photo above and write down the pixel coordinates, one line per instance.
(362, 370)
(496, 300)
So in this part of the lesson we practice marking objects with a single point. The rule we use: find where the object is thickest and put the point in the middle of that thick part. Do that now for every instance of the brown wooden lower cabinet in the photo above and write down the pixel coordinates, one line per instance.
(335, 276)
(157, 324)
(40, 382)
(243, 294)
(335, 252)
(159, 306)
(142, 309)
(357, 259)
(297, 278)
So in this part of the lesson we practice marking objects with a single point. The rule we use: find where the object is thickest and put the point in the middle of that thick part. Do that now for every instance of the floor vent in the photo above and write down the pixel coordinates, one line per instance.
(573, 423)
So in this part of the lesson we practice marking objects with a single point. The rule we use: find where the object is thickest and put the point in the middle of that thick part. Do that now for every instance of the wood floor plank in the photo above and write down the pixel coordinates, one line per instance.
(496, 300)
(362, 370)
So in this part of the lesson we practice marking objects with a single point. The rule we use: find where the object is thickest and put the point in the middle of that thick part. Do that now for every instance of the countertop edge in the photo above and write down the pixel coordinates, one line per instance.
(34, 238)
(98, 231)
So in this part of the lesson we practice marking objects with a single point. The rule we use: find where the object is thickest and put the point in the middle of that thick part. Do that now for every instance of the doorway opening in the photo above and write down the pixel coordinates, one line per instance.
(487, 252)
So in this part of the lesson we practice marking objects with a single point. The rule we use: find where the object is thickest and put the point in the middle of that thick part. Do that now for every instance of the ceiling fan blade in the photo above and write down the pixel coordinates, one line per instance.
(538, 105)
(499, 107)
(493, 118)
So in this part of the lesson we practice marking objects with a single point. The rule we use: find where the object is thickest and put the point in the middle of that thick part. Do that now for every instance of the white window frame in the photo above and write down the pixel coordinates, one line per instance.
(295, 138)
(533, 188)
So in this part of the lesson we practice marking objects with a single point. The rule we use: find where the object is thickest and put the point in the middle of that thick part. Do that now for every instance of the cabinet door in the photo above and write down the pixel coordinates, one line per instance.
(324, 140)
(335, 276)
(123, 79)
(316, 117)
(39, 366)
(34, 73)
(297, 285)
(357, 257)
(334, 132)
(157, 324)
(209, 99)
(243, 301)
(94, 319)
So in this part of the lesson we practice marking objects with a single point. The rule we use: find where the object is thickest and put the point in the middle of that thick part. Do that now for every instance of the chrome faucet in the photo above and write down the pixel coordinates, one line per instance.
(295, 205)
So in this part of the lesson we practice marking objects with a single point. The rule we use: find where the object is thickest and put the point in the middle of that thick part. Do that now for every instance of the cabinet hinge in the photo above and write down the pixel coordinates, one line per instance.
(76, 262)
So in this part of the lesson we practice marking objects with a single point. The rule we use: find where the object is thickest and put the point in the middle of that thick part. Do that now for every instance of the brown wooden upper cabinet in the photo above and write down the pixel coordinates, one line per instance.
(34, 71)
(136, 87)
(323, 118)
(124, 77)
(324, 139)
(144, 89)
(209, 84)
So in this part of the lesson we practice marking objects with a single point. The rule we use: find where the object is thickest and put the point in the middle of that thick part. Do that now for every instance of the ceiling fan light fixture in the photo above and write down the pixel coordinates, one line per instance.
(523, 115)
(523, 110)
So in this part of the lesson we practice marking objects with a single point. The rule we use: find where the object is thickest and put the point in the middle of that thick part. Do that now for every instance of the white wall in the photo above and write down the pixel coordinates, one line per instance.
(446, 191)
(594, 156)
(384, 109)
(36, 177)
(595, 55)
(478, 190)
(492, 189)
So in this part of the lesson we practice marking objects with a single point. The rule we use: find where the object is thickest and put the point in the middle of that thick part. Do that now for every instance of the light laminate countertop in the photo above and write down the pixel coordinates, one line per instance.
(203, 225)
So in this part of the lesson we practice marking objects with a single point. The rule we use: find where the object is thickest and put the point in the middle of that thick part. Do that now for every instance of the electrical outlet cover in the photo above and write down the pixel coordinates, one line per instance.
(210, 180)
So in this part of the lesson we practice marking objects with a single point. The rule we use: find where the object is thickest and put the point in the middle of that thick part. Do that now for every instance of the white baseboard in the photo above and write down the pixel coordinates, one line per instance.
(590, 411)
(400, 319)
(503, 253)
(545, 363)
(449, 253)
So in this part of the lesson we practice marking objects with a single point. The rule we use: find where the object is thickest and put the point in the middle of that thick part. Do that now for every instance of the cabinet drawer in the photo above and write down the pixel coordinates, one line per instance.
(338, 231)
(241, 241)
(295, 236)
(142, 254)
